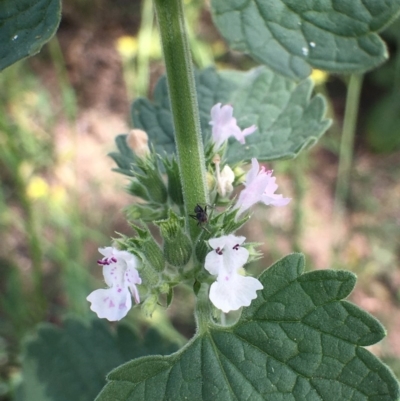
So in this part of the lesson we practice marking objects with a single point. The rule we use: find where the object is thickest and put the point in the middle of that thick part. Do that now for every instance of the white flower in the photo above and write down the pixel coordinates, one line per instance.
(260, 187)
(224, 125)
(225, 181)
(231, 291)
(121, 275)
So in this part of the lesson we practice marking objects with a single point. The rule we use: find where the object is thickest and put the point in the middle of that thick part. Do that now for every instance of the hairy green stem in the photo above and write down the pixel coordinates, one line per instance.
(184, 106)
(347, 142)
(203, 309)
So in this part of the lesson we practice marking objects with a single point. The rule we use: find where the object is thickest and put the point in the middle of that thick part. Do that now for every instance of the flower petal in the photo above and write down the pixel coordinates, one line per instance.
(232, 293)
(110, 303)
(215, 111)
(229, 240)
(225, 115)
(275, 200)
(252, 193)
(107, 251)
(214, 263)
(240, 135)
(253, 172)
(227, 257)
(114, 274)
(117, 263)
(131, 278)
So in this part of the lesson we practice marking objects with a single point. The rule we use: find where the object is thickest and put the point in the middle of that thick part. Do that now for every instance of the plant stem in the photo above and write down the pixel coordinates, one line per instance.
(202, 309)
(184, 106)
(347, 142)
(298, 171)
(68, 96)
(34, 245)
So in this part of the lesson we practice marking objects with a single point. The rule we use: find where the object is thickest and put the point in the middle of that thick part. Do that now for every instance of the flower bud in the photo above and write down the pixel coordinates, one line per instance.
(225, 177)
(177, 245)
(225, 181)
(164, 288)
(138, 140)
(150, 305)
(210, 181)
(240, 175)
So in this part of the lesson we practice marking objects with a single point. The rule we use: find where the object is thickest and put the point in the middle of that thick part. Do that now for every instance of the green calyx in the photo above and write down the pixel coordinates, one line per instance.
(147, 212)
(137, 189)
(145, 246)
(177, 245)
(174, 180)
(150, 304)
(148, 183)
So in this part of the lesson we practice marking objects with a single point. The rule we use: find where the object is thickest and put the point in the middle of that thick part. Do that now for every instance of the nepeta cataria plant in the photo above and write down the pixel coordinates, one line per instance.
(296, 338)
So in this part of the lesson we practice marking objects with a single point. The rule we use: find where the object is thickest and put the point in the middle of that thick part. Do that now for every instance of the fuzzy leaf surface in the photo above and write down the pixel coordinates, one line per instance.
(71, 363)
(292, 36)
(288, 119)
(297, 341)
(25, 26)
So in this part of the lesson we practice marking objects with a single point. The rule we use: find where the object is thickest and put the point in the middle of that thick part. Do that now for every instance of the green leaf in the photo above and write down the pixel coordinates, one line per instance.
(124, 157)
(25, 26)
(297, 341)
(292, 36)
(70, 363)
(287, 119)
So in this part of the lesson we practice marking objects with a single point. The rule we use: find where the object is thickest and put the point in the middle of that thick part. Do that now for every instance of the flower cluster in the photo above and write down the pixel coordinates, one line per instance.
(232, 289)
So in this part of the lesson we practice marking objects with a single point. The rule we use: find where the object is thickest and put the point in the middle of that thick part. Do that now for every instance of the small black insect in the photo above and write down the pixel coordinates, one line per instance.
(200, 215)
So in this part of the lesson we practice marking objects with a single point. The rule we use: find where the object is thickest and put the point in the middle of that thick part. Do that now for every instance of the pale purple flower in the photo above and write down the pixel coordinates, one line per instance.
(121, 276)
(224, 125)
(260, 186)
(231, 290)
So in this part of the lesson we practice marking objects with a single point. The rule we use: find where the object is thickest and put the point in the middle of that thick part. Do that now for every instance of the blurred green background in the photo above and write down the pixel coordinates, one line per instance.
(60, 201)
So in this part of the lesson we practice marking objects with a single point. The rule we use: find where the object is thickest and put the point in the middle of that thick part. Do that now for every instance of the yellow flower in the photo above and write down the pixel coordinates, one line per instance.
(37, 188)
(319, 77)
(127, 46)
